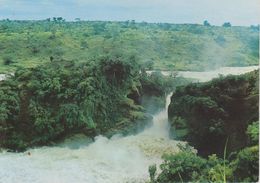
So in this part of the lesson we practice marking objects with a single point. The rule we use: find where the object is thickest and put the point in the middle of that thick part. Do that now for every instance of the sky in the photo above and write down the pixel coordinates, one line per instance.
(238, 12)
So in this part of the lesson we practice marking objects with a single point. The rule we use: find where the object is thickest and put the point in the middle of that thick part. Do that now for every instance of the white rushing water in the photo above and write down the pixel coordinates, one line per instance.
(115, 160)
(2, 77)
(208, 75)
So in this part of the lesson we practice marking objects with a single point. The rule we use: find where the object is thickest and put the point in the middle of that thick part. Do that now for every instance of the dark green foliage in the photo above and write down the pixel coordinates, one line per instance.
(60, 98)
(157, 84)
(216, 110)
(207, 114)
(206, 23)
(154, 84)
(227, 24)
(189, 167)
(253, 132)
(182, 167)
(220, 40)
(8, 60)
(246, 166)
(254, 27)
(152, 172)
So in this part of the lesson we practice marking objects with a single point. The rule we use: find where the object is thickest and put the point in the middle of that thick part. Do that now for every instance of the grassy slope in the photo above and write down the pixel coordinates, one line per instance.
(168, 46)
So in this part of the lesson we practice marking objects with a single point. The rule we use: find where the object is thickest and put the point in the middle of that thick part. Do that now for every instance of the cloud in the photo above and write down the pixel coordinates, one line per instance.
(239, 12)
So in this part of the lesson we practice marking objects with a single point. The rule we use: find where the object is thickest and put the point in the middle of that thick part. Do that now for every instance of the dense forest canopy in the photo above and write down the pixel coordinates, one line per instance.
(161, 45)
(60, 98)
(216, 111)
(57, 99)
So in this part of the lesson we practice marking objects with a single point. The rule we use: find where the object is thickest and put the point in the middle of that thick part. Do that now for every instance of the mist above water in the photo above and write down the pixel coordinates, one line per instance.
(116, 160)
(224, 71)
(119, 159)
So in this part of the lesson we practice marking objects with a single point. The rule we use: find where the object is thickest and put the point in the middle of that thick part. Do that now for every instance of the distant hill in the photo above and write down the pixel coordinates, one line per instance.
(161, 46)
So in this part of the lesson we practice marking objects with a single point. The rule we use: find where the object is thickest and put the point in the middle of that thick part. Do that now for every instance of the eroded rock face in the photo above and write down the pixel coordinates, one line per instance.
(207, 114)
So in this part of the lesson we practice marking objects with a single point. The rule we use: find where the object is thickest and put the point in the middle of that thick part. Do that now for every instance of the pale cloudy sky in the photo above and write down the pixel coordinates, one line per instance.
(238, 12)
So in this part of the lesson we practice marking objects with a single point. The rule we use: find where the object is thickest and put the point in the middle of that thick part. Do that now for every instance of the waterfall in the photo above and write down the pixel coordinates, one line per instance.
(116, 160)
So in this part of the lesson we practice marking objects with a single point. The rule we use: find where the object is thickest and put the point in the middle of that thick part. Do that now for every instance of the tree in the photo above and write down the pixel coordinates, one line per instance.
(60, 19)
(227, 24)
(148, 65)
(254, 27)
(206, 23)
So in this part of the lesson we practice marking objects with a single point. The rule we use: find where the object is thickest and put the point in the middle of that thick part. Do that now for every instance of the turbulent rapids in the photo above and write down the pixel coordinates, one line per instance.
(119, 159)
(116, 160)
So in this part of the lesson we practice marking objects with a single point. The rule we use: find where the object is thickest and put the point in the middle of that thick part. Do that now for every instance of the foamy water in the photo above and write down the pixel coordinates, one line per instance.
(115, 160)
(2, 77)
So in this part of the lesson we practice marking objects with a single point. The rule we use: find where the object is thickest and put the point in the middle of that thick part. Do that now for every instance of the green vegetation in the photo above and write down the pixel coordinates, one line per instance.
(227, 24)
(155, 87)
(82, 77)
(215, 111)
(216, 117)
(253, 132)
(186, 166)
(163, 46)
(60, 98)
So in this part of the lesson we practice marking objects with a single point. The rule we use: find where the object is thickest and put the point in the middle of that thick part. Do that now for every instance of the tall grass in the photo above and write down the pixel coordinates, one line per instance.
(225, 153)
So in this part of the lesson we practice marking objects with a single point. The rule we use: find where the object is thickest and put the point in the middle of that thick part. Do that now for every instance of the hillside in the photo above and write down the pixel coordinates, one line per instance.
(163, 46)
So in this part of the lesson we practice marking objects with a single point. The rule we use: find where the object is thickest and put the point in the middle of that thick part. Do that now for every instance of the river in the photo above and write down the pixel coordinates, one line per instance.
(116, 160)
(208, 75)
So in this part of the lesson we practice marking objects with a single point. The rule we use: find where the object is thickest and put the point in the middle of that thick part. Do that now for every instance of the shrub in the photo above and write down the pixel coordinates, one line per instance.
(152, 172)
(246, 165)
(8, 60)
(253, 132)
(182, 167)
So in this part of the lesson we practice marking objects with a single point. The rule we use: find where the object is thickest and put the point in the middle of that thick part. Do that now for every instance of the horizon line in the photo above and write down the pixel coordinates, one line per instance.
(136, 21)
